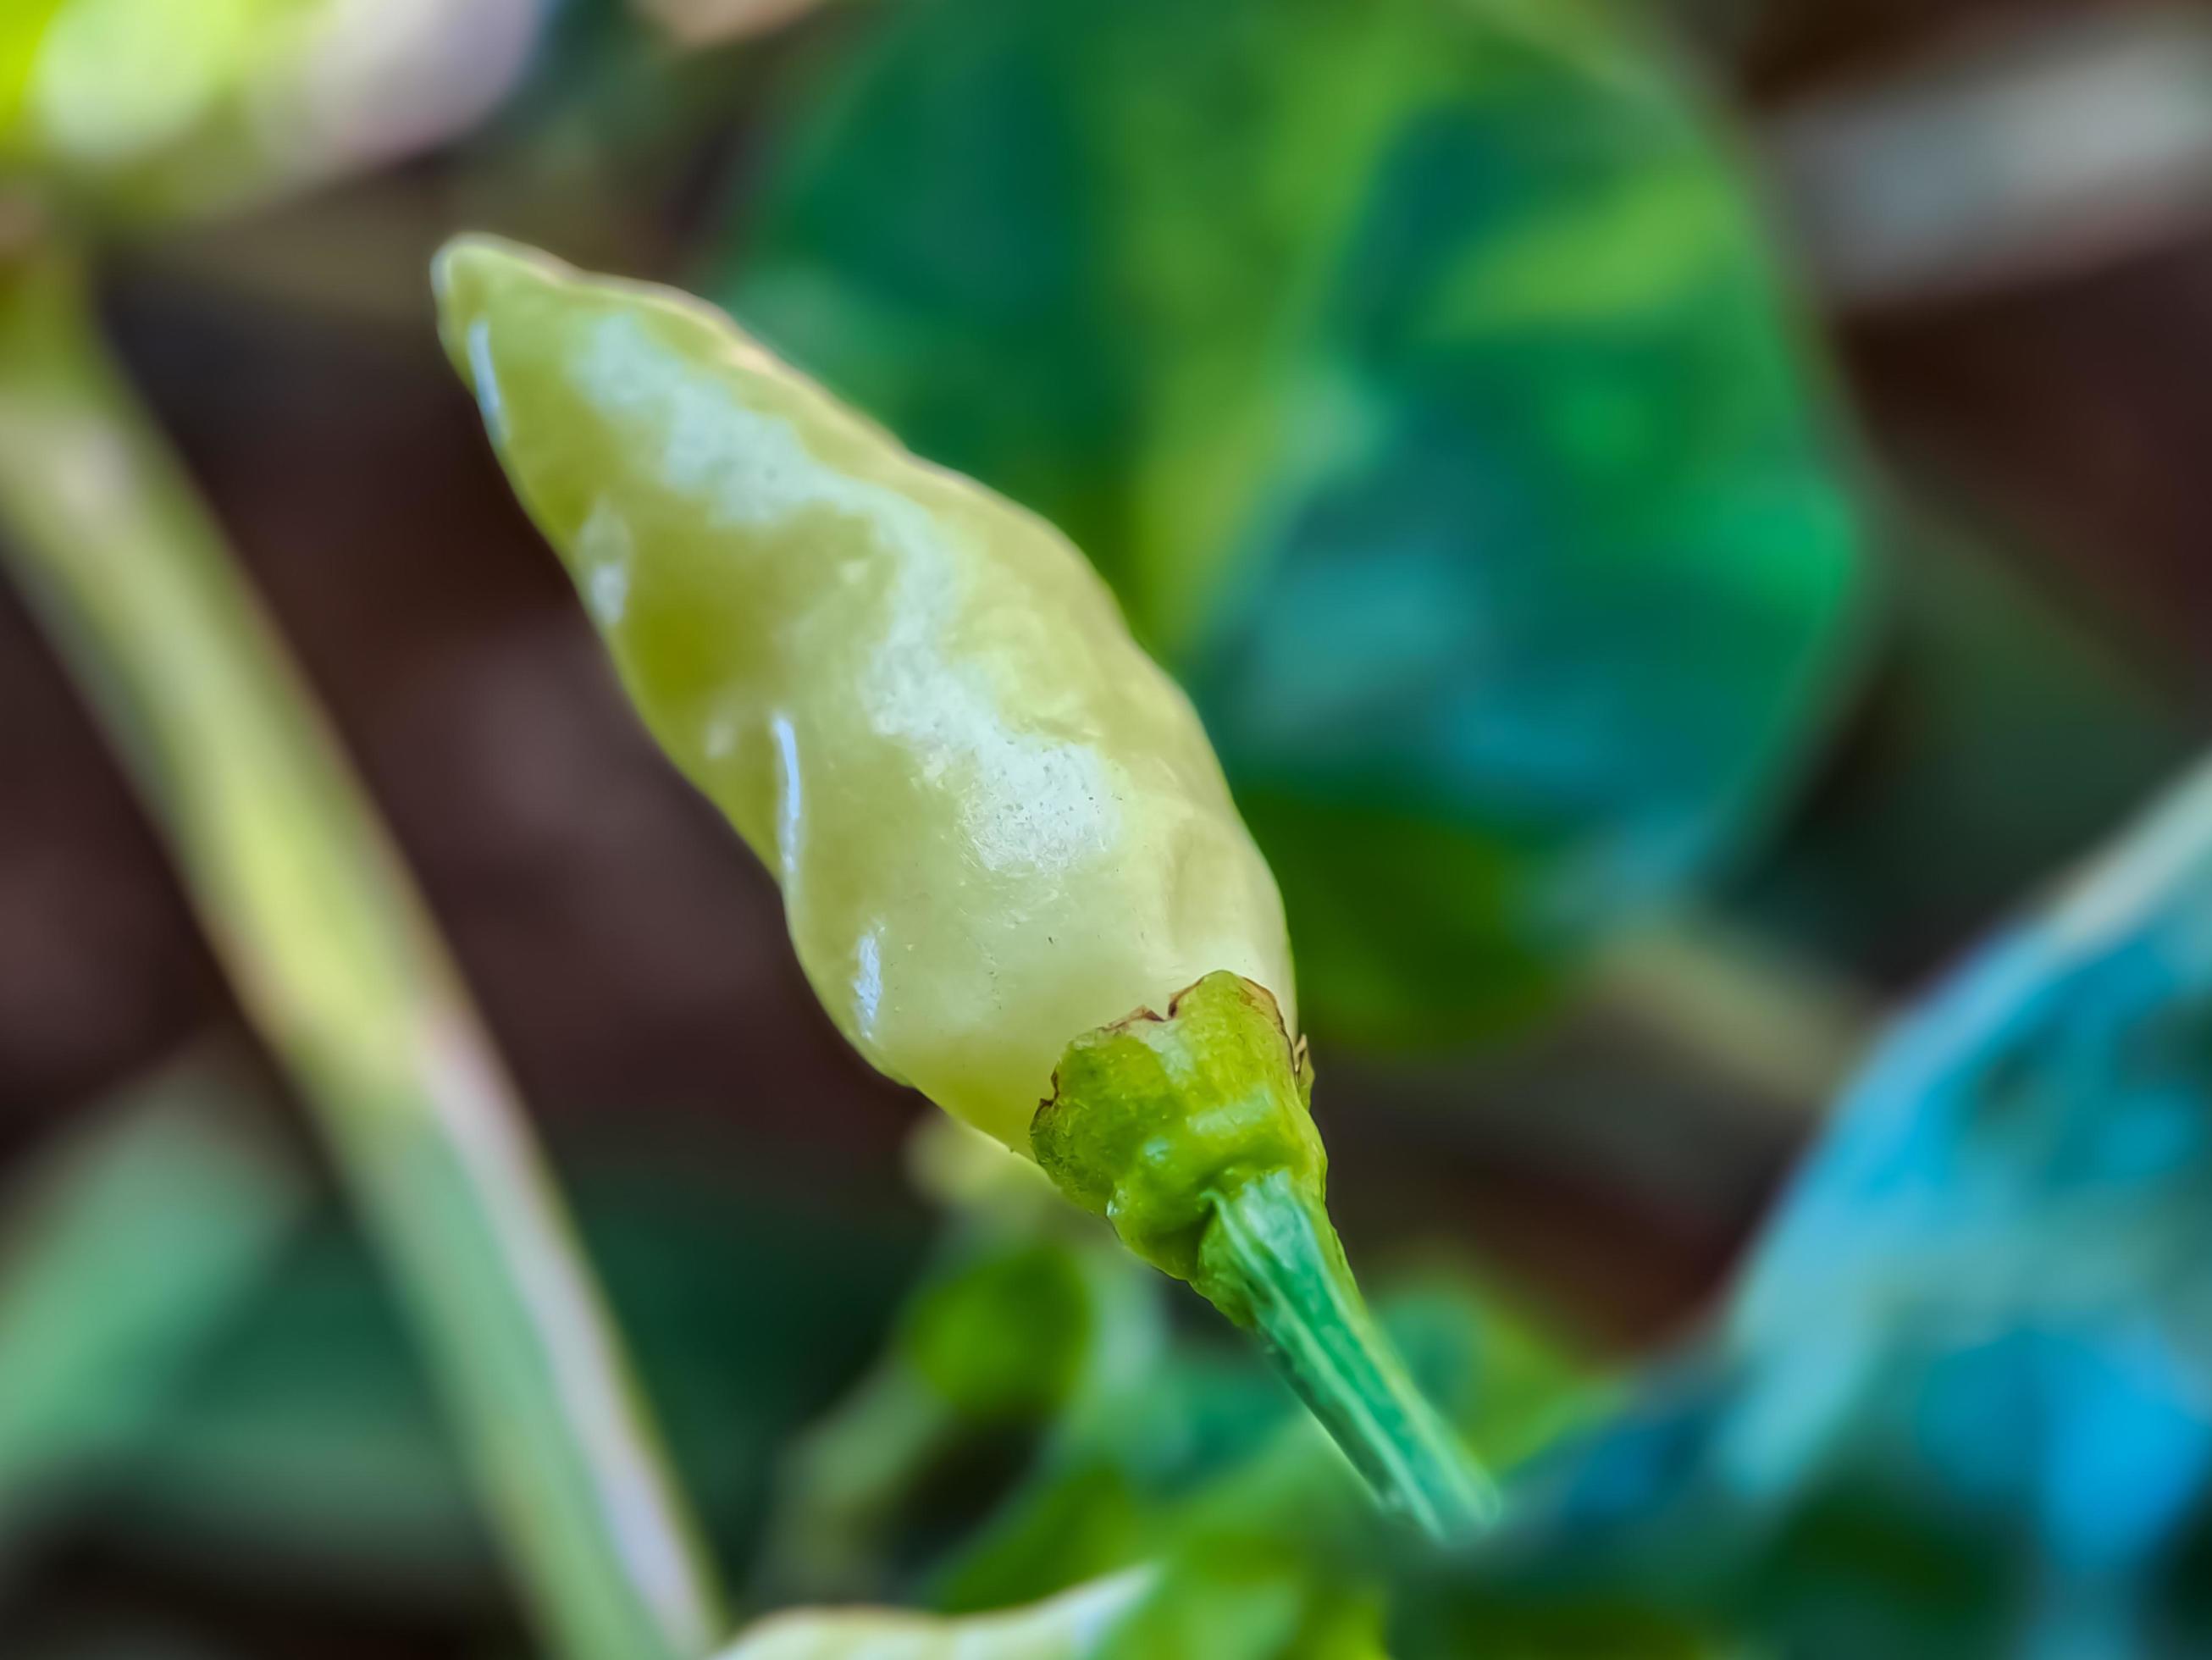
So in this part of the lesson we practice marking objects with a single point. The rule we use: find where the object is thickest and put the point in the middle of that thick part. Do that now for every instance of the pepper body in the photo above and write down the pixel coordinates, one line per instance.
(997, 824)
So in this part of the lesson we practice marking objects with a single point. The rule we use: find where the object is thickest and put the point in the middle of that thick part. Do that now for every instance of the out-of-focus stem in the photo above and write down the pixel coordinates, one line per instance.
(1776, 1026)
(336, 961)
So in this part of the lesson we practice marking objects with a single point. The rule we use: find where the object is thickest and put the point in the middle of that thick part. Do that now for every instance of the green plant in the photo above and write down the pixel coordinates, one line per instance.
(997, 826)
(1417, 378)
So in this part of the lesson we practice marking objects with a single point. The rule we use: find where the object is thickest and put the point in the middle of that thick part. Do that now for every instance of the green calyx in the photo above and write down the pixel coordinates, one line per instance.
(1190, 1132)
(1155, 1118)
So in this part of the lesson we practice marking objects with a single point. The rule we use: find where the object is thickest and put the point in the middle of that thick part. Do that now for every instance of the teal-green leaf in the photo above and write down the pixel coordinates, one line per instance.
(1957, 1408)
(1417, 372)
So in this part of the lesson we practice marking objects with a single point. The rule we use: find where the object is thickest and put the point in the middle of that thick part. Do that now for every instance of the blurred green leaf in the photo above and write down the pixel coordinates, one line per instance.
(1416, 372)
(1004, 1336)
(1989, 690)
(1032, 1322)
(1268, 1546)
(311, 1436)
(1959, 1406)
(124, 1255)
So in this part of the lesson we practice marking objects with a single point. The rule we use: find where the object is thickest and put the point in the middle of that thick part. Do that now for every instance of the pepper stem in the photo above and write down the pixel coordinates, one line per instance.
(1190, 1131)
(1271, 1261)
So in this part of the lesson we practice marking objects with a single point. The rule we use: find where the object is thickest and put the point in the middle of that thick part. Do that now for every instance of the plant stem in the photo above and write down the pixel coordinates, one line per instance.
(337, 963)
(1191, 1132)
(1271, 1263)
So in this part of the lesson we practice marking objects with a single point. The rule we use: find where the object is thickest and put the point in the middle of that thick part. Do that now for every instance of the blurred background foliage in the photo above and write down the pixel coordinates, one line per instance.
(1680, 519)
(1500, 535)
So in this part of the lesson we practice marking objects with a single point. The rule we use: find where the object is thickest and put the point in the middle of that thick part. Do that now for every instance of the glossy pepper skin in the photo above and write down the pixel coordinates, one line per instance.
(997, 824)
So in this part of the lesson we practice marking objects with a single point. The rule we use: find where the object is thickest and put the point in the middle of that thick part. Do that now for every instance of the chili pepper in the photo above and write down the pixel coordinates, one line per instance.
(997, 824)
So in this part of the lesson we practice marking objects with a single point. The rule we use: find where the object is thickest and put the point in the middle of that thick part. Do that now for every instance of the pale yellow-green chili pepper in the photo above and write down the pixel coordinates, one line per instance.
(998, 825)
